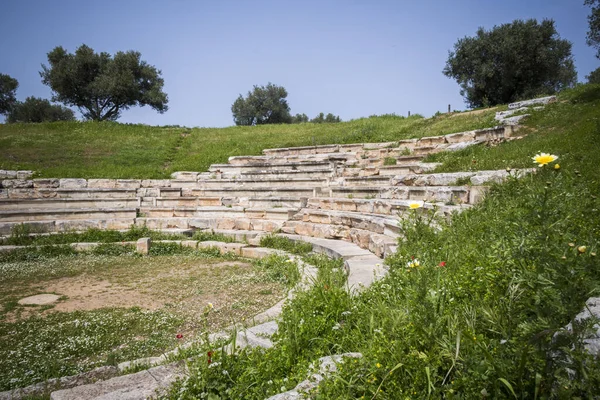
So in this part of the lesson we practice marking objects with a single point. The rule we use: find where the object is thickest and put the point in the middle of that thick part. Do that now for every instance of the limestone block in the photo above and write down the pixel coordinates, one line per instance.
(243, 224)
(148, 192)
(460, 137)
(489, 177)
(24, 174)
(8, 174)
(84, 246)
(477, 193)
(462, 145)
(71, 183)
(431, 140)
(529, 103)
(226, 223)
(45, 183)
(128, 183)
(102, 183)
(143, 245)
(235, 248)
(3, 194)
(29, 194)
(185, 175)
(17, 184)
(156, 183)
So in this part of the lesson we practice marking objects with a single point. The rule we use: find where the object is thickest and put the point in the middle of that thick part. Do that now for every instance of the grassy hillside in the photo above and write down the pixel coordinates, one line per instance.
(112, 150)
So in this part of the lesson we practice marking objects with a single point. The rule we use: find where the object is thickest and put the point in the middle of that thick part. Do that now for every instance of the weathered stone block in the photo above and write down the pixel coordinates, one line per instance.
(143, 245)
(156, 183)
(17, 184)
(128, 183)
(47, 183)
(24, 174)
(102, 183)
(71, 183)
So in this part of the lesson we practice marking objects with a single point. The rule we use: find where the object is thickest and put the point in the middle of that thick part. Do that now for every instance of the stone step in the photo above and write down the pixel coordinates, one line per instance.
(243, 182)
(69, 225)
(376, 223)
(279, 174)
(54, 203)
(255, 163)
(187, 201)
(218, 212)
(137, 386)
(83, 193)
(199, 223)
(378, 206)
(445, 194)
(266, 202)
(362, 266)
(65, 214)
(253, 192)
(459, 178)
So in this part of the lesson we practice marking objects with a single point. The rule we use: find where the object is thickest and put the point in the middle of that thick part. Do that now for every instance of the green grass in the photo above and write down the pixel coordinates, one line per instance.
(478, 317)
(112, 150)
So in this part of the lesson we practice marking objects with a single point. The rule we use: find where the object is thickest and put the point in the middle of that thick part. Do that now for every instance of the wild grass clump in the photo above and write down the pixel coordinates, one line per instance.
(22, 235)
(285, 244)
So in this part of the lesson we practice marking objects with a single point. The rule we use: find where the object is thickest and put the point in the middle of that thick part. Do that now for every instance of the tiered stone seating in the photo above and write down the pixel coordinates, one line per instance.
(276, 191)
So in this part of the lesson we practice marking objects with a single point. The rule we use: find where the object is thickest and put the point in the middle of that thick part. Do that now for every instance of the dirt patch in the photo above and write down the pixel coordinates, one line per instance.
(179, 285)
(87, 293)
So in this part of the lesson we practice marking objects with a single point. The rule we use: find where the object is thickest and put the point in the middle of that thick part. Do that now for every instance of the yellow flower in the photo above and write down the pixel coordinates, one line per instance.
(210, 305)
(378, 365)
(556, 166)
(581, 249)
(544, 158)
(413, 205)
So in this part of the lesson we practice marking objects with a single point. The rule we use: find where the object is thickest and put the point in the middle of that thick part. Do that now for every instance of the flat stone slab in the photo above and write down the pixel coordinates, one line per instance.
(39, 299)
(138, 386)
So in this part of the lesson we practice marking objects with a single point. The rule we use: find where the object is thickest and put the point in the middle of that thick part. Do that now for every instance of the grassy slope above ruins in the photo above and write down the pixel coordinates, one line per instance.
(113, 150)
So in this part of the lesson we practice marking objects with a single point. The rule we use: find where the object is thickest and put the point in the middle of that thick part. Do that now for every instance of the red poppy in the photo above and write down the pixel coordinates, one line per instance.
(209, 355)
(443, 264)
(179, 336)
(412, 257)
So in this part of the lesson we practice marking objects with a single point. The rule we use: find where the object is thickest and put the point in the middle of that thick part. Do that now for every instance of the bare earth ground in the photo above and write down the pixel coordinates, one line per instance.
(179, 284)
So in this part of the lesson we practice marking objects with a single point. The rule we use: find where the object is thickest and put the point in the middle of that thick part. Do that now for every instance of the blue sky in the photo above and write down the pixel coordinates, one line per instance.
(352, 58)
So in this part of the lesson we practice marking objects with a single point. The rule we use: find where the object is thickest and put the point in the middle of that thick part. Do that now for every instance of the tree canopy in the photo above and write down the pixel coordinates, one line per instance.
(262, 105)
(34, 109)
(102, 86)
(325, 119)
(8, 93)
(593, 34)
(594, 76)
(510, 62)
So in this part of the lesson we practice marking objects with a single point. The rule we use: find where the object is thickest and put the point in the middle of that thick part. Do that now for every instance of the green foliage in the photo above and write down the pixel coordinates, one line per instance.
(285, 244)
(325, 119)
(36, 253)
(593, 34)
(278, 268)
(264, 105)
(389, 161)
(522, 59)
(102, 86)
(8, 91)
(299, 118)
(34, 109)
(594, 76)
